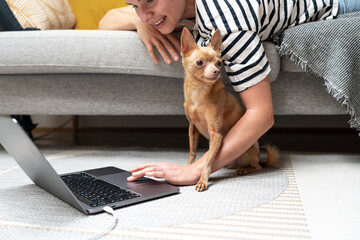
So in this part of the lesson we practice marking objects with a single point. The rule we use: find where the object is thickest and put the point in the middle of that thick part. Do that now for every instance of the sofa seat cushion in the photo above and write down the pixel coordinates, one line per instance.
(89, 51)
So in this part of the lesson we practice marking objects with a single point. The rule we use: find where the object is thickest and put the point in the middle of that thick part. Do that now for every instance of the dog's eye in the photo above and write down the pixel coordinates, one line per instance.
(199, 63)
(219, 63)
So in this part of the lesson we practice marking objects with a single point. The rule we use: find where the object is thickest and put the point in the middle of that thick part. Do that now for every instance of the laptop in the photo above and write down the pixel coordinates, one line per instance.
(89, 191)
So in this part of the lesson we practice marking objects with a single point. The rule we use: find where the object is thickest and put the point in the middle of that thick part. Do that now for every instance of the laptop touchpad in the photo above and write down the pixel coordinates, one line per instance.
(104, 171)
(117, 178)
(143, 186)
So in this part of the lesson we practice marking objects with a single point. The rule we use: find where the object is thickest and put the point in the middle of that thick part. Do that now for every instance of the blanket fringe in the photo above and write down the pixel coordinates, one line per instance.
(354, 121)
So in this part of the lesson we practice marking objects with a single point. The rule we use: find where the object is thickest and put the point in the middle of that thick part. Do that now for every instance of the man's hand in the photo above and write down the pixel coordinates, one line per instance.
(173, 173)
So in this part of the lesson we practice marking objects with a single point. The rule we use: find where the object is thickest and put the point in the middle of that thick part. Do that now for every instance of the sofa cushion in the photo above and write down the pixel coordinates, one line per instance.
(44, 14)
(129, 94)
(88, 51)
(289, 65)
(273, 58)
(88, 13)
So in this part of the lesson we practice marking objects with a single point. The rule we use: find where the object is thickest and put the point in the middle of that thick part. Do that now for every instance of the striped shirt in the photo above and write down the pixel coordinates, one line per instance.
(245, 23)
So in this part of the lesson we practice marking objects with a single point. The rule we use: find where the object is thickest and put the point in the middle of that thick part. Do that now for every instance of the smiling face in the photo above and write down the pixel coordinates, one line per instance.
(164, 15)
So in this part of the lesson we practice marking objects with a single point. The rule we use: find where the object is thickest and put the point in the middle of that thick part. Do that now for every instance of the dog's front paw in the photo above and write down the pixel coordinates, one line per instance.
(201, 186)
(241, 171)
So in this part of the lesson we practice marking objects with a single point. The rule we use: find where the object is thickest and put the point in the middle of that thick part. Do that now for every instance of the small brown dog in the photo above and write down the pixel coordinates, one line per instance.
(210, 109)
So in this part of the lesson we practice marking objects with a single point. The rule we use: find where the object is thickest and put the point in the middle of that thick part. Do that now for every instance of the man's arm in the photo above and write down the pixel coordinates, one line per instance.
(126, 19)
(257, 120)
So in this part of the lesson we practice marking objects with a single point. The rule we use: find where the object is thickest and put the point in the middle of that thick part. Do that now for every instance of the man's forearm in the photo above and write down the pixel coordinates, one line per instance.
(240, 138)
(257, 120)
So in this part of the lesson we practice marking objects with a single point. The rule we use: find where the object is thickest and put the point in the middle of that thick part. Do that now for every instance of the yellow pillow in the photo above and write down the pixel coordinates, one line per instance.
(88, 13)
(43, 14)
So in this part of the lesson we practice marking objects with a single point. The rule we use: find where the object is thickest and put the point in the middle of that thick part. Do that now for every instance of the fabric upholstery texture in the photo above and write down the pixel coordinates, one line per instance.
(131, 94)
(89, 51)
(93, 72)
(333, 55)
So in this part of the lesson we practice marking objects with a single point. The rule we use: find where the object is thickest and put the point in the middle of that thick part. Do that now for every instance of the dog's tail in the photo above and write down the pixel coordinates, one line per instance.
(272, 154)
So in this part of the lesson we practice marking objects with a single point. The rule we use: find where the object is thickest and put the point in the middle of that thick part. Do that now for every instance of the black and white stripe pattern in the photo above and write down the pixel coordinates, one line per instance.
(245, 23)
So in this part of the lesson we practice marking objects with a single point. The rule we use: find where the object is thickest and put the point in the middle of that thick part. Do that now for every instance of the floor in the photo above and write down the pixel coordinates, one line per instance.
(330, 193)
(326, 170)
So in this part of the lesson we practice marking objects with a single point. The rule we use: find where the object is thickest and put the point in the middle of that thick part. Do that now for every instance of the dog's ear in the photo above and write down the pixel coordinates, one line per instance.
(216, 40)
(187, 42)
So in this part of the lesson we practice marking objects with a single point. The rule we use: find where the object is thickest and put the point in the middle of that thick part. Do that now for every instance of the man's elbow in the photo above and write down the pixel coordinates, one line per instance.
(102, 24)
(108, 21)
(269, 120)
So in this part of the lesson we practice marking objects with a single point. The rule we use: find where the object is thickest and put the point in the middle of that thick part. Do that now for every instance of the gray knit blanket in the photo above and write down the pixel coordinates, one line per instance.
(331, 50)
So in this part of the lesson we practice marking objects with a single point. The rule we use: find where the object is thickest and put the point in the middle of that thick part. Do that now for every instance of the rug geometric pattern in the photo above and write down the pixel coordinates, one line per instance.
(274, 211)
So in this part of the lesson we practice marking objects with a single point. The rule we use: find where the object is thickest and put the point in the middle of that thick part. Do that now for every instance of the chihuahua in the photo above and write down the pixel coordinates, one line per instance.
(210, 109)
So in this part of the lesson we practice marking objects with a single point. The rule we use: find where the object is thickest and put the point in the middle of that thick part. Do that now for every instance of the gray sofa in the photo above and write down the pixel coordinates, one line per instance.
(93, 72)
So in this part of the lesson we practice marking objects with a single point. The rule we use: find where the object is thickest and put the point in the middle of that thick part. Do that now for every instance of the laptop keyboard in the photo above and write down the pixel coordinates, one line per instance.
(96, 192)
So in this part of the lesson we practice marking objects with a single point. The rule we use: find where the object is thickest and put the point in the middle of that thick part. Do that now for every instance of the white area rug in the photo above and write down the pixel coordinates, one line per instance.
(29, 212)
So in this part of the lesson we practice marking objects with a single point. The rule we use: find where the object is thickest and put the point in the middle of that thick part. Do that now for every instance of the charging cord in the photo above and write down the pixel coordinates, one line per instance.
(108, 229)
